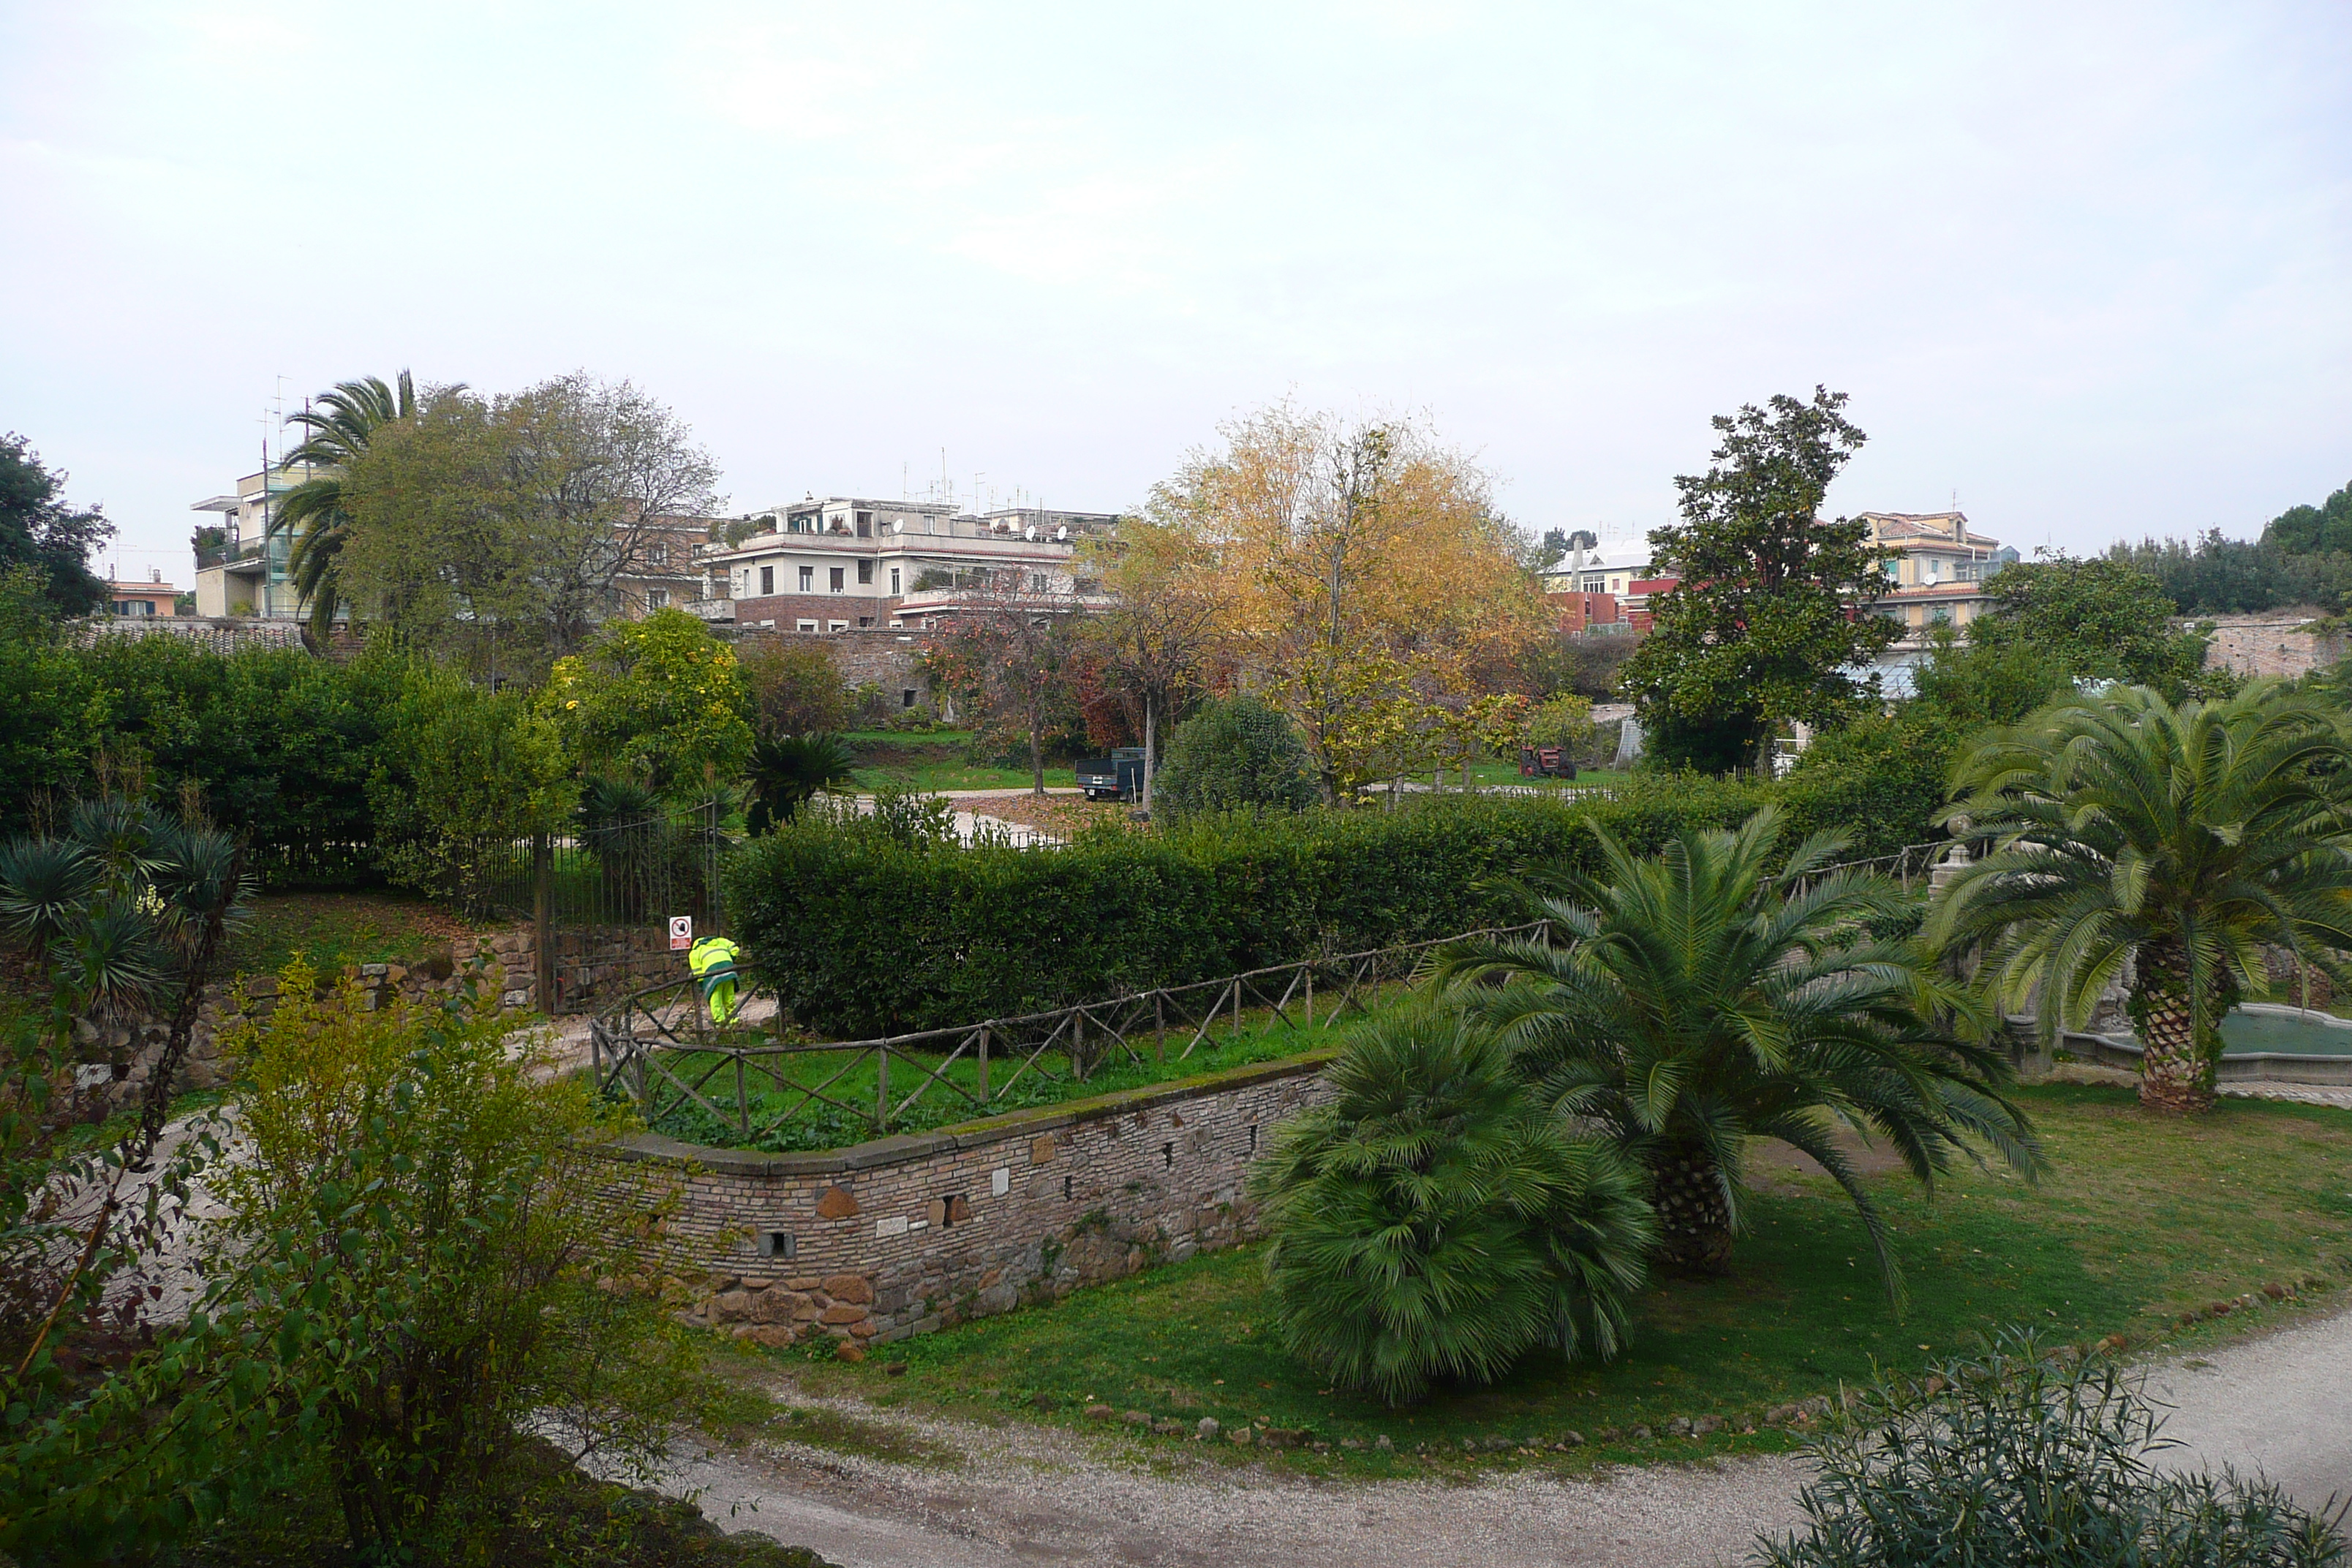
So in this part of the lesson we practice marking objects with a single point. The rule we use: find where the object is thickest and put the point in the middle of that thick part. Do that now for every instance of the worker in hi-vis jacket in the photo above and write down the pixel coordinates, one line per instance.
(712, 960)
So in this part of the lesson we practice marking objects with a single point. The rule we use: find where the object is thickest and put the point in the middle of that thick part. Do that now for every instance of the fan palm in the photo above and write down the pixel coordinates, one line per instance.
(1691, 1003)
(1433, 1220)
(785, 771)
(2118, 830)
(119, 904)
(340, 423)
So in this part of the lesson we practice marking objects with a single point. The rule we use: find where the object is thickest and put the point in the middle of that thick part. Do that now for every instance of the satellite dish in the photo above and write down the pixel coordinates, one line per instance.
(1062, 534)
(898, 525)
(1029, 533)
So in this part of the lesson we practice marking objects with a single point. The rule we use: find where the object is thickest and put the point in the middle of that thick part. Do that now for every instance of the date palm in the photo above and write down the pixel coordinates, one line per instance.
(1691, 1003)
(2118, 832)
(340, 425)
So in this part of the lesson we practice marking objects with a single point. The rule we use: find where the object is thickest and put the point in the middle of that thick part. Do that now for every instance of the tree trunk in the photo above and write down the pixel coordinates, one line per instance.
(1694, 1221)
(2175, 1074)
(1150, 735)
(1036, 758)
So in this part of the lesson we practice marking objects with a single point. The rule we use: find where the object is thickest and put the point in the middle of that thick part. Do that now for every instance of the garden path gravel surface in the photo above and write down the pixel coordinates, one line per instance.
(1026, 1496)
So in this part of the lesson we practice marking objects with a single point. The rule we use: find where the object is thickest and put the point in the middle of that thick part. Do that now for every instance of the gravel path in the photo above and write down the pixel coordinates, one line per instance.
(1028, 1496)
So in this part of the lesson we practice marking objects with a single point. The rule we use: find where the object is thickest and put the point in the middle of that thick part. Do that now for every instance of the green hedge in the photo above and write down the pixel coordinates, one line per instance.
(865, 935)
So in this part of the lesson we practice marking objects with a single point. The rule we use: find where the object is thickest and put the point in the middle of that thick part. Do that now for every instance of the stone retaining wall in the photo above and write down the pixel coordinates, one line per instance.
(120, 1059)
(904, 1235)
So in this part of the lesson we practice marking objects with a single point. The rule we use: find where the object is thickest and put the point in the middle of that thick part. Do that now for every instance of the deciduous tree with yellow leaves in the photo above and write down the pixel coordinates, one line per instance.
(1363, 582)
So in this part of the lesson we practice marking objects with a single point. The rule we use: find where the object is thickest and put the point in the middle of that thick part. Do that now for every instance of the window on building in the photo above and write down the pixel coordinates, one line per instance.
(865, 620)
(1037, 582)
(804, 625)
(837, 586)
(907, 697)
(657, 598)
(767, 580)
(864, 525)
(865, 571)
(808, 578)
(836, 626)
(894, 581)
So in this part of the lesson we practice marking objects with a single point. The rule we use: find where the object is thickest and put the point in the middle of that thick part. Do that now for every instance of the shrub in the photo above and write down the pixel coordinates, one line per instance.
(795, 689)
(1435, 1222)
(1238, 755)
(463, 772)
(660, 698)
(2019, 1458)
(862, 935)
(277, 741)
(1564, 722)
(405, 1280)
(1879, 782)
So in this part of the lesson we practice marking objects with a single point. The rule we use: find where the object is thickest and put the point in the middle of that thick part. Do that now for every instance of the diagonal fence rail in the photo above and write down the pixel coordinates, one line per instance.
(661, 1047)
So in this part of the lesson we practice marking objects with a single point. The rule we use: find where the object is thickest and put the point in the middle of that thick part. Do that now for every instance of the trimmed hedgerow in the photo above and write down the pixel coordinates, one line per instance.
(863, 934)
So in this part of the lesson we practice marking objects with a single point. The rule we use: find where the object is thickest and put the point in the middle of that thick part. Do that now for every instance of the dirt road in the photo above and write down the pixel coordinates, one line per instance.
(1025, 1497)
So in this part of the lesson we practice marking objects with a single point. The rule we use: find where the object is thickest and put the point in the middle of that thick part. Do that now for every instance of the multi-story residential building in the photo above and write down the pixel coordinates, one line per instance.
(845, 563)
(1611, 568)
(245, 574)
(153, 597)
(1939, 576)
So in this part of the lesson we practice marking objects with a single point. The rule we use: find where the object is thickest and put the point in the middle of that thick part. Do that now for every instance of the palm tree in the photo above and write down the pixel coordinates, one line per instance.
(1690, 1003)
(785, 771)
(340, 424)
(1435, 1220)
(2119, 830)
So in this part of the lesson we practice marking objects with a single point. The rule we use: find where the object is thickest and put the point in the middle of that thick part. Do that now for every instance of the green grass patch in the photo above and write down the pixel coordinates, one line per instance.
(333, 930)
(2139, 1221)
(1261, 1037)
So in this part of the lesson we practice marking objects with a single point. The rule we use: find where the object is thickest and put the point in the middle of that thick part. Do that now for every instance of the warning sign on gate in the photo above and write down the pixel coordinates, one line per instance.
(681, 933)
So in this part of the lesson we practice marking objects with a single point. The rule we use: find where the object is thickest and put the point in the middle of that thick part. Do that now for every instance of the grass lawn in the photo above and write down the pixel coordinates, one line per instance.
(815, 1125)
(1496, 772)
(2139, 1221)
(934, 762)
(336, 929)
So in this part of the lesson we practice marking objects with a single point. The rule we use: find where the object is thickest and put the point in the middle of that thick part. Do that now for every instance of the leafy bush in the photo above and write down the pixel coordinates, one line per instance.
(463, 772)
(2020, 1458)
(660, 697)
(862, 935)
(277, 741)
(1564, 720)
(795, 687)
(405, 1278)
(1434, 1221)
(1238, 755)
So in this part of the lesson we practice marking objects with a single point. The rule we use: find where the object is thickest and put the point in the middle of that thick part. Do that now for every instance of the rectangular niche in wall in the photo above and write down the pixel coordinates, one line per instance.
(779, 1243)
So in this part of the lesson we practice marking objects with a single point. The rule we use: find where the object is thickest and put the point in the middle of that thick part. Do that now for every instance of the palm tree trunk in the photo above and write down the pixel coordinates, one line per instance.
(2174, 1074)
(1694, 1222)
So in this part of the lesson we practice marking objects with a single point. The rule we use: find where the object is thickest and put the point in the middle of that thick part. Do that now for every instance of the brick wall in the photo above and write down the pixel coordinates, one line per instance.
(905, 1235)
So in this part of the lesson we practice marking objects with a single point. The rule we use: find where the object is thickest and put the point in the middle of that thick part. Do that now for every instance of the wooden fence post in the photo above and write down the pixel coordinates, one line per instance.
(1310, 993)
(1078, 1045)
(542, 922)
(882, 1086)
(983, 1064)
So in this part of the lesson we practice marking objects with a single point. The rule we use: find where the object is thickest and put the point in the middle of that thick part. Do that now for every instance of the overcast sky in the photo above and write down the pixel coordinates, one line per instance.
(2087, 267)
